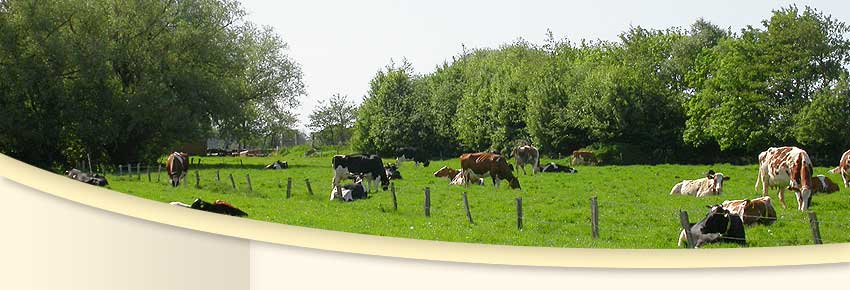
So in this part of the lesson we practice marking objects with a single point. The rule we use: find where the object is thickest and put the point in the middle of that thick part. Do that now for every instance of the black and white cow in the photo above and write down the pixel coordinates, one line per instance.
(218, 206)
(371, 167)
(719, 225)
(278, 165)
(350, 192)
(392, 171)
(412, 153)
(552, 167)
(93, 179)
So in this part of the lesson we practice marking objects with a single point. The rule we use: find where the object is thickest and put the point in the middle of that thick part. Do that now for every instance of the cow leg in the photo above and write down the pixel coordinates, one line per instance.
(415, 163)
(377, 182)
(805, 196)
(496, 182)
(782, 197)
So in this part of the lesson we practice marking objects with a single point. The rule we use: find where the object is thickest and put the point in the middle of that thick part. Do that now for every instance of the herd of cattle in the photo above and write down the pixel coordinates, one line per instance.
(785, 168)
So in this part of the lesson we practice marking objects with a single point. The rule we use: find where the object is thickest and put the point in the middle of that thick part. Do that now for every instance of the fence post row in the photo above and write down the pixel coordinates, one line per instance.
(427, 204)
(686, 226)
(519, 213)
(395, 203)
(813, 222)
(594, 218)
(466, 206)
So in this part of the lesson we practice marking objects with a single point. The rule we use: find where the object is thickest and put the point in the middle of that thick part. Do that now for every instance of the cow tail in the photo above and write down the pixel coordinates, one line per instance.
(758, 179)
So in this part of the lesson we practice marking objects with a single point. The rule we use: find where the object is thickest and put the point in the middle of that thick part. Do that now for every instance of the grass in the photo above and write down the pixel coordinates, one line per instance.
(635, 208)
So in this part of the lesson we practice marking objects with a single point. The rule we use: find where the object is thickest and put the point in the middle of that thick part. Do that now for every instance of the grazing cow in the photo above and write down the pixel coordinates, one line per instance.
(527, 154)
(752, 211)
(392, 171)
(177, 166)
(411, 153)
(371, 167)
(94, 179)
(219, 206)
(581, 157)
(278, 165)
(843, 168)
(483, 164)
(719, 225)
(552, 167)
(822, 184)
(786, 165)
(711, 184)
(350, 192)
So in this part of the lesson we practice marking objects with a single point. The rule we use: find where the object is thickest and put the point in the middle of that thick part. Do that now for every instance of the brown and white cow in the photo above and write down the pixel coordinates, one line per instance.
(454, 176)
(177, 166)
(752, 211)
(483, 164)
(527, 154)
(822, 184)
(711, 184)
(843, 168)
(583, 157)
(786, 165)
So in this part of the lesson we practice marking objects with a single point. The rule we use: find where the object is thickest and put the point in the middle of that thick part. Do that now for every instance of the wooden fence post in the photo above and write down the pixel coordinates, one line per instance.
(813, 222)
(88, 156)
(466, 206)
(686, 226)
(288, 187)
(594, 218)
(149, 174)
(241, 164)
(309, 188)
(395, 203)
(199, 161)
(217, 176)
(197, 179)
(519, 213)
(232, 183)
(248, 178)
(139, 170)
(158, 171)
(120, 170)
(129, 171)
(428, 202)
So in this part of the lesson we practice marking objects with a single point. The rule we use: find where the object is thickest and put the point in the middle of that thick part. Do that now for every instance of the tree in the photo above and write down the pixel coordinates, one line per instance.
(334, 116)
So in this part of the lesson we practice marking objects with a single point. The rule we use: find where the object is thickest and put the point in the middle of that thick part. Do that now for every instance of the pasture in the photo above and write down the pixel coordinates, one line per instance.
(635, 208)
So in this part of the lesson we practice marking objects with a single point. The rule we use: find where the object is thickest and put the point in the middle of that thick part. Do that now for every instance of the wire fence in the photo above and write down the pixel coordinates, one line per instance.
(525, 221)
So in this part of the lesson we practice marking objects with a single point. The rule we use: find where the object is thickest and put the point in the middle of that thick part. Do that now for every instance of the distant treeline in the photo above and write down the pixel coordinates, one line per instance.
(703, 94)
(125, 81)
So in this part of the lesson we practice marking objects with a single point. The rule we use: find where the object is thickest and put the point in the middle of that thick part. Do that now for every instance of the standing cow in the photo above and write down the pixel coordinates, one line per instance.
(412, 153)
(177, 166)
(371, 167)
(786, 165)
(527, 154)
(475, 165)
(843, 168)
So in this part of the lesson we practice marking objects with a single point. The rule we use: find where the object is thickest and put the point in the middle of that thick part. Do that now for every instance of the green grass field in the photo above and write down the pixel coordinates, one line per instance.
(635, 208)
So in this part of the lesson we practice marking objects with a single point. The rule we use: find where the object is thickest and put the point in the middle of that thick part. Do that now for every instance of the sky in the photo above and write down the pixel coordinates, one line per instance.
(341, 45)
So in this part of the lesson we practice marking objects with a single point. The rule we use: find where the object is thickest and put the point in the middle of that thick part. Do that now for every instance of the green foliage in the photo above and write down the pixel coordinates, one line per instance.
(332, 121)
(128, 80)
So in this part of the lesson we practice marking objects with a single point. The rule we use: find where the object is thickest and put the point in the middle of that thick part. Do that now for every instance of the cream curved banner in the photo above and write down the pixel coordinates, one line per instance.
(260, 231)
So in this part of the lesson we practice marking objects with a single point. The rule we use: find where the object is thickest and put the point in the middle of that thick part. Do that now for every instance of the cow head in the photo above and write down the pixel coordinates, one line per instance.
(717, 220)
(426, 163)
(718, 181)
(514, 182)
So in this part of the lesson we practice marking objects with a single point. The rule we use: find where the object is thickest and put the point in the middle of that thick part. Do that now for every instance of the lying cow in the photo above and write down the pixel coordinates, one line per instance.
(94, 179)
(350, 192)
(843, 168)
(719, 225)
(779, 166)
(478, 165)
(454, 176)
(552, 167)
(412, 153)
(711, 184)
(219, 207)
(278, 165)
(752, 211)
(392, 171)
(822, 184)
(527, 154)
(371, 167)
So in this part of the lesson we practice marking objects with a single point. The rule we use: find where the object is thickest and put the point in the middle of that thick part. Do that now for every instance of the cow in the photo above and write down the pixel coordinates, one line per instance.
(219, 207)
(581, 157)
(552, 167)
(454, 176)
(278, 165)
(177, 166)
(180, 204)
(93, 179)
(371, 167)
(752, 211)
(527, 154)
(392, 171)
(483, 164)
(719, 225)
(822, 184)
(411, 153)
(843, 168)
(350, 192)
(711, 184)
(786, 165)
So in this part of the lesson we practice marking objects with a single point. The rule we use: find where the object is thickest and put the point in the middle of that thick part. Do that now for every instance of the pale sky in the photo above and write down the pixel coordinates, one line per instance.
(340, 45)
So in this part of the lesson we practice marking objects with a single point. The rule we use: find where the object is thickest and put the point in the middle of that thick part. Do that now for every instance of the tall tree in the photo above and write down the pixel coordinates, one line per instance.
(334, 117)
